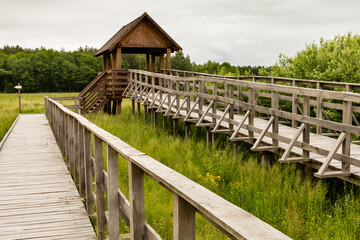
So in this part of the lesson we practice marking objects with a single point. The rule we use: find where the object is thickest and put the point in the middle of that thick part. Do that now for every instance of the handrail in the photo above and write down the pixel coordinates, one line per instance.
(294, 81)
(73, 133)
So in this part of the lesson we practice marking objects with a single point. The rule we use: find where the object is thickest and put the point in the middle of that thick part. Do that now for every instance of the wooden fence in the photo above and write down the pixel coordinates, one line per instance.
(78, 138)
(206, 95)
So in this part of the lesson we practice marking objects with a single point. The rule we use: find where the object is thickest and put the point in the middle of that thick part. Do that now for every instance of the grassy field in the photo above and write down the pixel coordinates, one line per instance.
(298, 205)
(30, 103)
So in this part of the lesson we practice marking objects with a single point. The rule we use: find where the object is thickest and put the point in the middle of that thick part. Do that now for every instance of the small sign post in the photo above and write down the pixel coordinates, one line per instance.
(18, 87)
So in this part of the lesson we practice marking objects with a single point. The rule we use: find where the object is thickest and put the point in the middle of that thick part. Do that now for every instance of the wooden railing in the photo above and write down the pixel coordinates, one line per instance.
(93, 92)
(77, 102)
(76, 137)
(239, 96)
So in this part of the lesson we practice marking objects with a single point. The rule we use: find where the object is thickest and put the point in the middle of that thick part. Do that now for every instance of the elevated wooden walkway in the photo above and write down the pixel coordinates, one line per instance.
(38, 198)
(233, 107)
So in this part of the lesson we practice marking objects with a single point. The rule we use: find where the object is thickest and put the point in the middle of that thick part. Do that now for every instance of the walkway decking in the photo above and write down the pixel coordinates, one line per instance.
(38, 198)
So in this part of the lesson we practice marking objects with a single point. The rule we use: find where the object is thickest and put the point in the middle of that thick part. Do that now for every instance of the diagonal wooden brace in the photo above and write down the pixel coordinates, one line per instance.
(256, 147)
(162, 103)
(233, 136)
(216, 128)
(199, 123)
(322, 171)
(187, 117)
(284, 157)
(140, 95)
(168, 111)
(154, 100)
(129, 86)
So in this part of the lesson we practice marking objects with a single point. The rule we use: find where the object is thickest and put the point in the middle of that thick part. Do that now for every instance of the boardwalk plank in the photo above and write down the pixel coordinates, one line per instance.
(38, 198)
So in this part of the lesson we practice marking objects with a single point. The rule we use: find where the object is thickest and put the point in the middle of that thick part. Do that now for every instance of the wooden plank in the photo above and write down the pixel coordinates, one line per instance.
(38, 198)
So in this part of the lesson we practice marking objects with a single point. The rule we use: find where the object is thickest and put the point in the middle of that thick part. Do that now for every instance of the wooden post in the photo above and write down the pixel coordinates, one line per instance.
(148, 62)
(108, 61)
(104, 63)
(88, 173)
(118, 58)
(114, 107)
(153, 118)
(294, 105)
(112, 191)
(184, 219)
(136, 198)
(145, 112)
(138, 109)
(208, 136)
(265, 159)
(175, 126)
(118, 106)
(81, 161)
(114, 60)
(76, 152)
(187, 127)
(318, 109)
(133, 106)
(275, 105)
(231, 110)
(71, 144)
(164, 122)
(161, 62)
(168, 58)
(99, 186)
(252, 101)
(153, 66)
(306, 133)
(347, 119)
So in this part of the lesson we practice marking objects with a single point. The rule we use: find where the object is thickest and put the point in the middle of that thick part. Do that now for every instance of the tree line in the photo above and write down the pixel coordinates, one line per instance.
(49, 70)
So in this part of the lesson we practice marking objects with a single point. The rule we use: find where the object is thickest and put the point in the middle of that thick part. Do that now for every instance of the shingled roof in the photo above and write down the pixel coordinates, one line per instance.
(127, 29)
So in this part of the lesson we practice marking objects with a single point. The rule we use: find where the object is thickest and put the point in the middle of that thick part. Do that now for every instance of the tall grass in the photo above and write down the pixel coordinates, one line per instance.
(30, 103)
(296, 204)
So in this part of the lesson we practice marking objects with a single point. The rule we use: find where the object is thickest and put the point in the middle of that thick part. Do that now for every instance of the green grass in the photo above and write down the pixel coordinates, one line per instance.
(30, 103)
(298, 205)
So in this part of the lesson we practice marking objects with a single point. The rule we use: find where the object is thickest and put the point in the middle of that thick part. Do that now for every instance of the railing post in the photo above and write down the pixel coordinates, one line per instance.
(99, 187)
(81, 160)
(70, 142)
(306, 133)
(231, 110)
(184, 219)
(88, 172)
(252, 102)
(347, 119)
(137, 208)
(275, 105)
(318, 109)
(112, 191)
(76, 152)
(294, 105)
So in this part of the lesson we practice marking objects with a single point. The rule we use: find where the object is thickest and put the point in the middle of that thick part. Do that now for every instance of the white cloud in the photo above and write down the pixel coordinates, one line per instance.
(237, 31)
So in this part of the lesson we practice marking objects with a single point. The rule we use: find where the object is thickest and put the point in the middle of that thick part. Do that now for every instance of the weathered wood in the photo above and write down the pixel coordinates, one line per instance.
(184, 219)
(88, 172)
(168, 58)
(38, 198)
(100, 188)
(112, 191)
(137, 208)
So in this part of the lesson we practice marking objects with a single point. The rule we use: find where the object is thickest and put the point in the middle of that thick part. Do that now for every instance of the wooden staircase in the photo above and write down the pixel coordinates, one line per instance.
(107, 86)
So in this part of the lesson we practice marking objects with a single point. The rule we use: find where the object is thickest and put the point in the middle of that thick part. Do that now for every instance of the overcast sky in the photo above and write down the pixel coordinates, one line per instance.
(237, 31)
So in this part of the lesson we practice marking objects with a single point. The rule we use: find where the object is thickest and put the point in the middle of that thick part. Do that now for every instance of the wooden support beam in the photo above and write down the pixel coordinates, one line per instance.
(118, 58)
(148, 62)
(200, 122)
(221, 119)
(112, 192)
(100, 188)
(233, 136)
(187, 117)
(161, 62)
(262, 135)
(330, 156)
(168, 58)
(114, 60)
(184, 219)
(88, 173)
(153, 65)
(136, 199)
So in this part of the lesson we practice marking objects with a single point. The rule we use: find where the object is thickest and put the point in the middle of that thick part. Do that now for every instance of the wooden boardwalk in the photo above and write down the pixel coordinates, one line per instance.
(213, 103)
(38, 198)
